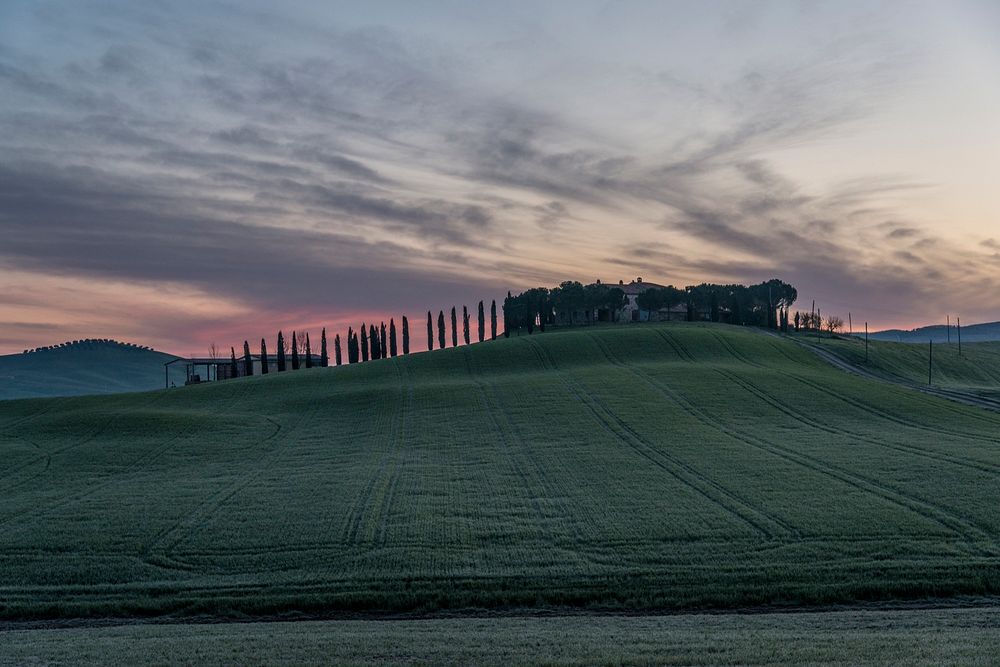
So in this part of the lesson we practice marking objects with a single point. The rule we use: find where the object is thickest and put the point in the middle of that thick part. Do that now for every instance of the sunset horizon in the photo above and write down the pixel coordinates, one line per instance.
(213, 173)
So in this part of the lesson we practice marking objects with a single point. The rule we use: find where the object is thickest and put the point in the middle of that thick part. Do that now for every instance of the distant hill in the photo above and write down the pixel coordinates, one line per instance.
(973, 333)
(92, 366)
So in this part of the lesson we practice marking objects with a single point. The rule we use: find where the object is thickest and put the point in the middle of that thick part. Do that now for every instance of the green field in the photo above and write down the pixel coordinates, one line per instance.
(633, 467)
(976, 369)
(927, 637)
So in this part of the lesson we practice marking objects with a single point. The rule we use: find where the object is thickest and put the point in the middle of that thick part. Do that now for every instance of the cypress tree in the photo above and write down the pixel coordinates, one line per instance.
(336, 349)
(506, 315)
(364, 342)
(454, 328)
(247, 359)
(465, 324)
(281, 352)
(351, 358)
(392, 337)
(263, 357)
(493, 320)
(482, 322)
(441, 329)
(406, 335)
(309, 354)
(324, 357)
(373, 341)
(430, 332)
(295, 352)
(383, 343)
(234, 370)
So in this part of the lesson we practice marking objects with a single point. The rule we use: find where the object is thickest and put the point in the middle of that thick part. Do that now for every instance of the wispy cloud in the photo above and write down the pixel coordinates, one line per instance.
(300, 163)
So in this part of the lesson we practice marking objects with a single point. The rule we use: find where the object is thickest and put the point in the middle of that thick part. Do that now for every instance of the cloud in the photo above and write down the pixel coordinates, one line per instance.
(294, 164)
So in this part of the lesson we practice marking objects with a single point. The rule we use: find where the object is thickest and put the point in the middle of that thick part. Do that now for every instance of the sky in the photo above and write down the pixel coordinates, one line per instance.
(182, 173)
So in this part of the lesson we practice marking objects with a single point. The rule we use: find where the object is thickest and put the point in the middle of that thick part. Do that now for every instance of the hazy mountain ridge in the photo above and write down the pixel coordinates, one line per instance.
(973, 333)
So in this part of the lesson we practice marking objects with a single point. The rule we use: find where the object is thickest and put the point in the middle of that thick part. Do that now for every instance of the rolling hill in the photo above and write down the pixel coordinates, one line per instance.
(976, 369)
(973, 333)
(668, 466)
(80, 368)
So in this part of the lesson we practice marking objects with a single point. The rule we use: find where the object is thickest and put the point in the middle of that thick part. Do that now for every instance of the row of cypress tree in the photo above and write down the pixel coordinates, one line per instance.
(370, 342)
(466, 335)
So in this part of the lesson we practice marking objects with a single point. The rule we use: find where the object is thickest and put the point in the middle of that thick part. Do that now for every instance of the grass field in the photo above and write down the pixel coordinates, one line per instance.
(638, 467)
(930, 637)
(977, 368)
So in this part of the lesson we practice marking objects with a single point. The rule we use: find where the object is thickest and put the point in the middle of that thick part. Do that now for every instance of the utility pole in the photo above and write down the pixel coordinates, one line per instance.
(850, 324)
(930, 360)
(819, 324)
(958, 328)
(866, 343)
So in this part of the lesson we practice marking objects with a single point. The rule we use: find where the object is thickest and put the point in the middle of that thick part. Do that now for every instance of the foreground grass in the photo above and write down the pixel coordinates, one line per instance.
(925, 637)
(639, 467)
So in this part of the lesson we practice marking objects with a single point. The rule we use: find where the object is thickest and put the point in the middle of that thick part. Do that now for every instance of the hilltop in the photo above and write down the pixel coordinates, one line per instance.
(973, 333)
(661, 466)
(91, 366)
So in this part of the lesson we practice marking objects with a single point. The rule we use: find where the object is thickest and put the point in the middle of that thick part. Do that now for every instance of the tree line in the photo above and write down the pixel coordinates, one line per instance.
(765, 304)
(370, 342)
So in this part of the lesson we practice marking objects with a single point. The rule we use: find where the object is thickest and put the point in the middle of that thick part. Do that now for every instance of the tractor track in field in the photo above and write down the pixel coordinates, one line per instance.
(144, 458)
(924, 397)
(206, 508)
(865, 408)
(48, 406)
(748, 514)
(201, 514)
(955, 395)
(973, 535)
(47, 456)
(795, 414)
(509, 435)
(403, 429)
(367, 505)
(90, 436)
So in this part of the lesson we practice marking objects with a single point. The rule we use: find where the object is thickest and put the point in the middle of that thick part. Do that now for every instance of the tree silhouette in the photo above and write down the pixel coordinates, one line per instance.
(364, 342)
(263, 357)
(482, 323)
(441, 329)
(281, 352)
(247, 360)
(392, 337)
(430, 332)
(465, 324)
(493, 320)
(234, 370)
(336, 349)
(454, 328)
(295, 352)
(508, 316)
(309, 356)
(352, 346)
(373, 341)
(324, 357)
(382, 343)
(406, 335)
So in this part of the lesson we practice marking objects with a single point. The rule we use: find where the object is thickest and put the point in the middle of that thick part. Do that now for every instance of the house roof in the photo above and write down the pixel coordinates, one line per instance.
(638, 286)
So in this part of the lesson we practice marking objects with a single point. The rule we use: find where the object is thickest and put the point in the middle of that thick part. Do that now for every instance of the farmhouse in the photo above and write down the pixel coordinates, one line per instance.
(631, 312)
(210, 369)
